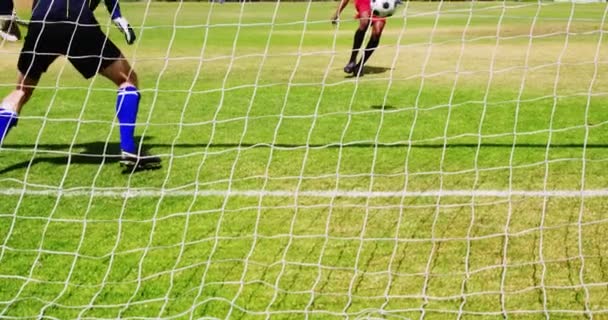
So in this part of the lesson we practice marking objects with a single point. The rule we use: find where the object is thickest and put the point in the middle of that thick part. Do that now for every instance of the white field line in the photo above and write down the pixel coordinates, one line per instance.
(149, 192)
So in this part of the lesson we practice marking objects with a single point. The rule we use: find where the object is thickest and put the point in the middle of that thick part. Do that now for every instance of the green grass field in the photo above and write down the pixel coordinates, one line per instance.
(290, 190)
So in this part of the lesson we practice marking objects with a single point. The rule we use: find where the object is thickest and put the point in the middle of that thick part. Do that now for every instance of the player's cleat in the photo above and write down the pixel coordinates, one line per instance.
(350, 67)
(358, 71)
(133, 162)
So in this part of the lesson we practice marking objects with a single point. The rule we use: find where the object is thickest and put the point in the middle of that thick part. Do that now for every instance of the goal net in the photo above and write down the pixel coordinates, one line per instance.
(462, 176)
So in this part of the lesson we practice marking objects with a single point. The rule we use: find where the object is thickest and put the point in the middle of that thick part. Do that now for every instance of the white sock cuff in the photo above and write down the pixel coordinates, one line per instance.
(5, 108)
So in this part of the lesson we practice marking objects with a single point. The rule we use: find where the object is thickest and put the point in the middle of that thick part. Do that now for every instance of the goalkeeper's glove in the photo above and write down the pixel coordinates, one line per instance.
(9, 30)
(124, 27)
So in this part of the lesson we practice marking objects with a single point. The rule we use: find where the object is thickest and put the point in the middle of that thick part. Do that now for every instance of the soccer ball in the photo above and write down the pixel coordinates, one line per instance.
(383, 8)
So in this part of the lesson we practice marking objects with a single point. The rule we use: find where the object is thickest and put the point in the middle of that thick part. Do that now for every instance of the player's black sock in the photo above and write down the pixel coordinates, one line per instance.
(357, 42)
(371, 46)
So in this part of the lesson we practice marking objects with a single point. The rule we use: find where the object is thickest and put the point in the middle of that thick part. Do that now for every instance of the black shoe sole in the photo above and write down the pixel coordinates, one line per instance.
(130, 166)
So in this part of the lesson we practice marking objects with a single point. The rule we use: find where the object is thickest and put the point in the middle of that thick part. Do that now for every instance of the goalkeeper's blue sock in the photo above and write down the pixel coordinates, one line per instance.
(8, 119)
(127, 105)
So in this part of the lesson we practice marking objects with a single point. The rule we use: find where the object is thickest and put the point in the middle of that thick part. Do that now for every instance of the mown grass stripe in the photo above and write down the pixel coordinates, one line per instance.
(147, 192)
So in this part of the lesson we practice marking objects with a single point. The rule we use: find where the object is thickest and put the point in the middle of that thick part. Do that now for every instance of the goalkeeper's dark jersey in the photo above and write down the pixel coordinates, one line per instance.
(6, 7)
(71, 10)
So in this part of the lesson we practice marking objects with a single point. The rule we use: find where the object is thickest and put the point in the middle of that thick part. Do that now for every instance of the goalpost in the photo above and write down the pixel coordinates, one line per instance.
(462, 177)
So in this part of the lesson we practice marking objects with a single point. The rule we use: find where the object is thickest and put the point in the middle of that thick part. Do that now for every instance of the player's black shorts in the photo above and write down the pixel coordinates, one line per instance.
(86, 47)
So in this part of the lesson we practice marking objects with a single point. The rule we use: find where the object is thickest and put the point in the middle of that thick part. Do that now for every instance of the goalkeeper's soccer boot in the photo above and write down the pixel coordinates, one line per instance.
(350, 67)
(133, 162)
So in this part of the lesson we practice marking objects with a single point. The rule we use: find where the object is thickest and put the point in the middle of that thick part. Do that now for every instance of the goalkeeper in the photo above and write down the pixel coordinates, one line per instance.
(366, 18)
(9, 30)
(69, 28)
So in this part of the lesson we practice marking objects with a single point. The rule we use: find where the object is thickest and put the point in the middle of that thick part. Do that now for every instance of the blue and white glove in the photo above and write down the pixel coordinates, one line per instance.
(124, 27)
(9, 30)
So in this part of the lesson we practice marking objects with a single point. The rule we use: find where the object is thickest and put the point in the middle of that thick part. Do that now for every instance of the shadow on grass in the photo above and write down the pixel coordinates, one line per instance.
(96, 153)
(93, 153)
(367, 70)
(382, 107)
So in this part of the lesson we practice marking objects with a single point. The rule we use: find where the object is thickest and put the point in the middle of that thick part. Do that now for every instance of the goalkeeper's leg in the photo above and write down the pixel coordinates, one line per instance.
(127, 106)
(11, 105)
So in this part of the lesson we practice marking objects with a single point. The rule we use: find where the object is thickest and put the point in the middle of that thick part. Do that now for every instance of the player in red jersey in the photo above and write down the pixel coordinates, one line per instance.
(366, 18)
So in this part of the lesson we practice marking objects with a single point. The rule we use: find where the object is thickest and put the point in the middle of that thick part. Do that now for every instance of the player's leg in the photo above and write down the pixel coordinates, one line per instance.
(364, 15)
(38, 53)
(127, 102)
(372, 44)
(127, 107)
(364, 20)
(98, 54)
(11, 105)
(21, 95)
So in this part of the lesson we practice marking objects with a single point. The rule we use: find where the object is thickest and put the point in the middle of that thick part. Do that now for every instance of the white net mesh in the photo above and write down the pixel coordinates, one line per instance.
(463, 176)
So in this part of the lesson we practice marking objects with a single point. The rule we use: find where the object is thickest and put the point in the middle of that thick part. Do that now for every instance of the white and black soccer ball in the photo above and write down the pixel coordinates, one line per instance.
(383, 8)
